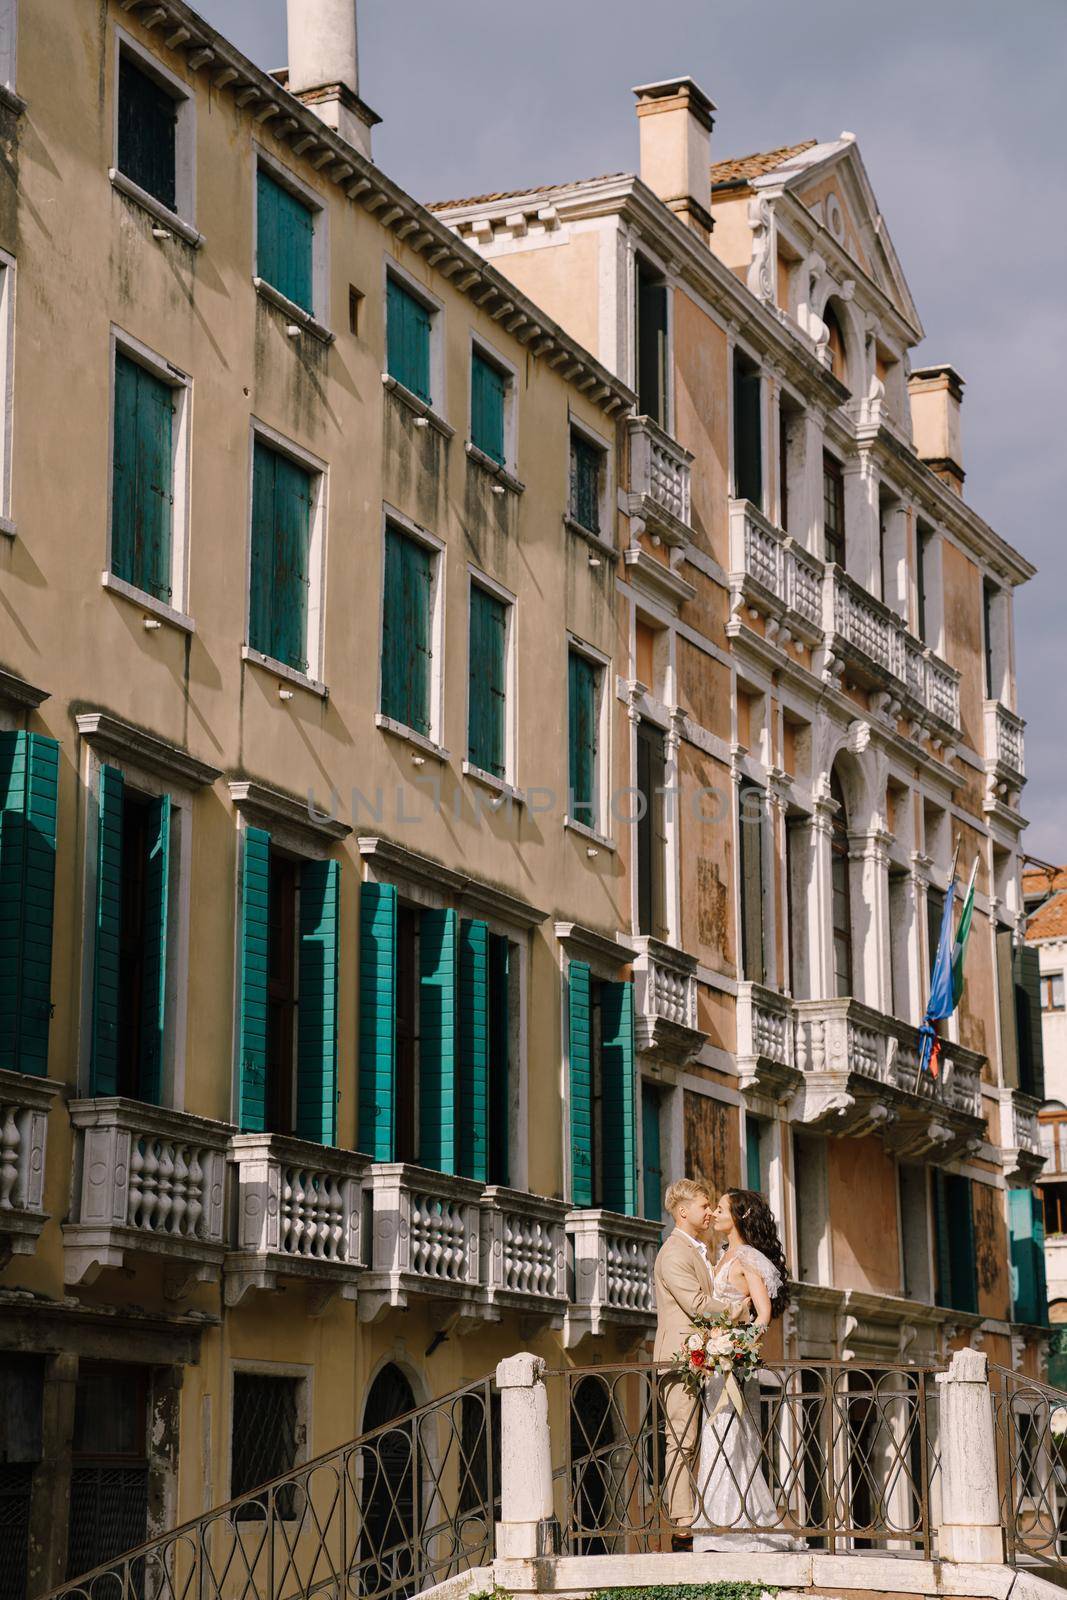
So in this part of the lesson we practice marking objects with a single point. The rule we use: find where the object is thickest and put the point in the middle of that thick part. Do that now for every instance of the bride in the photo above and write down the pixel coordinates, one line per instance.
(731, 1492)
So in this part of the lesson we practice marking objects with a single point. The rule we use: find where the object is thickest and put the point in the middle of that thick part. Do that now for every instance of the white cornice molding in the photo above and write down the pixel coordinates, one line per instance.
(111, 736)
(388, 860)
(259, 802)
(15, 691)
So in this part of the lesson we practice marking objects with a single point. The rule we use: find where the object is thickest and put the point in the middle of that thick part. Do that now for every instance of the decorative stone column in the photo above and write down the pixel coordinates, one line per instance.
(527, 1528)
(816, 906)
(970, 1528)
(869, 862)
(861, 522)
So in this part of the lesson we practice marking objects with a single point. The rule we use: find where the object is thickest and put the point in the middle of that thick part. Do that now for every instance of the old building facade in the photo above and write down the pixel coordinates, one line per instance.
(1045, 896)
(487, 699)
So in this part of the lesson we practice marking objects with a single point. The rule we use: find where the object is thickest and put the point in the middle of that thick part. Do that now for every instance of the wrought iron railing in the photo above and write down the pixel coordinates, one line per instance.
(821, 1455)
(396, 1510)
(1029, 1418)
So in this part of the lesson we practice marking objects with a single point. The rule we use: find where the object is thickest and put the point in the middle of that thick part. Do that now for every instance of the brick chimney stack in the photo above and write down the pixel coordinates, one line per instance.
(324, 67)
(935, 394)
(675, 122)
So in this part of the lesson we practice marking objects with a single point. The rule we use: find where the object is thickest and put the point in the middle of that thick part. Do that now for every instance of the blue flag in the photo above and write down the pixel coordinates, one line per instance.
(941, 1002)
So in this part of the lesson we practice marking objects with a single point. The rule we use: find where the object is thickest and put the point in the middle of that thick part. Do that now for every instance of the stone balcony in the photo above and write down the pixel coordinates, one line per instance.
(665, 1001)
(24, 1107)
(297, 1209)
(659, 494)
(765, 1055)
(774, 578)
(524, 1254)
(147, 1181)
(1021, 1145)
(1005, 755)
(610, 1273)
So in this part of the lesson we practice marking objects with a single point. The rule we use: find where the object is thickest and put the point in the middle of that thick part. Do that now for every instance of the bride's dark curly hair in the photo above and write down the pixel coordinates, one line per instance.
(755, 1222)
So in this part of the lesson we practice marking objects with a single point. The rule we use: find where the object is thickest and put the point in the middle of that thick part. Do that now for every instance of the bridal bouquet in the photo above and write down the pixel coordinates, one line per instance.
(717, 1346)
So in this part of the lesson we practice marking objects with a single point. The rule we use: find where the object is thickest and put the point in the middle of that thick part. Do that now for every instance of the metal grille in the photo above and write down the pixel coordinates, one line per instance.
(264, 1434)
(822, 1456)
(1031, 1467)
(16, 1483)
(108, 1513)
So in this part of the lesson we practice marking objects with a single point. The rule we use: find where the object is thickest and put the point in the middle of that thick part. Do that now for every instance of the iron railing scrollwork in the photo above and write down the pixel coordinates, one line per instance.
(1032, 1467)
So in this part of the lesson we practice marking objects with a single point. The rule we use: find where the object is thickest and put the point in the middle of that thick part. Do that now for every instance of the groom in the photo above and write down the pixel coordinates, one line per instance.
(683, 1277)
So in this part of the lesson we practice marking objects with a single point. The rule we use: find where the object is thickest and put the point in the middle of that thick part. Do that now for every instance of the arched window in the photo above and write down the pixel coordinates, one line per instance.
(840, 904)
(838, 363)
(388, 1470)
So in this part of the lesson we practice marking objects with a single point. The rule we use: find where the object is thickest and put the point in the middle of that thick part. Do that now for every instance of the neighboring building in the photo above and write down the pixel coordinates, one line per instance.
(820, 634)
(1045, 897)
(349, 1031)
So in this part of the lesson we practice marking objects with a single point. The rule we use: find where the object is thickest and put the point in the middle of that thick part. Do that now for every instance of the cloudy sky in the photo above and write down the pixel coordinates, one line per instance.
(958, 110)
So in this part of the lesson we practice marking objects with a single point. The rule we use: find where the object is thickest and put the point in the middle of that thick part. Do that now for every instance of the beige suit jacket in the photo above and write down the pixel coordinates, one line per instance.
(683, 1291)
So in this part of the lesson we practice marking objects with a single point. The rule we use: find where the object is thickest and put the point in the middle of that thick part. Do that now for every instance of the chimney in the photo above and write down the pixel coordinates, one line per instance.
(675, 122)
(324, 67)
(935, 394)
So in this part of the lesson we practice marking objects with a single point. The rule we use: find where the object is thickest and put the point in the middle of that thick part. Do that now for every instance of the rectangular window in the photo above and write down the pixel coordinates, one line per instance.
(1028, 1031)
(587, 461)
(487, 704)
(1052, 991)
(955, 1258)
(285, 235)
(1054, 1201)
(283, 496)
(750, 836)
(989, 599)
(652, 1150)
(650, 343)
(603, 1092)
(407, 632)
(833, 510)
(109, 1465)
(935, 910)
(583, 731)
(650, 833)
(408, 321)
(755, 1133)
(29, 783)
(489, 391)
(142, 479)
(147, 132)
(915, 1231)
(922, 556)
(748, 431)
(266, 1437)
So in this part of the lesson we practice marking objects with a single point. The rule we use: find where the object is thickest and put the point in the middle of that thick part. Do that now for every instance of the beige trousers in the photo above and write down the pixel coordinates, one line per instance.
(681, 1413)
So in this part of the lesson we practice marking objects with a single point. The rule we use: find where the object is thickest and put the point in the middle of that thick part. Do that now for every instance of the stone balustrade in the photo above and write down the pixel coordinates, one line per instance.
(147, 1180)
(765, 1053)
(1004, 744)
(524, 1252)
(659, 480)
(24, 1107)
(298, 1215)
(868, 640)
(425, 1238)
(665, 1001)
(774, 577)
(1022, 1142)
(610, 1273)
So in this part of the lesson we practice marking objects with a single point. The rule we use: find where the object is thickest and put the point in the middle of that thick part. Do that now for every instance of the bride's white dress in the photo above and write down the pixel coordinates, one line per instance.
(731, 1491)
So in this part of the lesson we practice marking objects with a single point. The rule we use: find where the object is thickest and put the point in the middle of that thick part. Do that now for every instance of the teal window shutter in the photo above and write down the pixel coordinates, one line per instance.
(438, 1040)
(488, 389)
(1029, 1293)
(488, 683)
(618, 1059)
(580, 1041)
(255, 933)
(962, 1261)
(147, 128)
(406, 631)
(316, 1075)
(407, 322)
(499, 961)
(154, 979)
(285, 232)
(104, 1075)
(474, 1049)
(142, 479)
(753, 1175)
(585, 482)
(279, 578)
(29, 788)
(377, 1017)
(583, 686)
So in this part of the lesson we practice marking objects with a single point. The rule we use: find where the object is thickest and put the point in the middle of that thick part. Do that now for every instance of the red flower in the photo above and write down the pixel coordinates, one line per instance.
(696, 1358)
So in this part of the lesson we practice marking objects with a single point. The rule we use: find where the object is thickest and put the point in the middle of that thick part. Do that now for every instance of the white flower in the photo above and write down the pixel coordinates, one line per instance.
(719, 1343)
(694, 1342)
(1058, 1422)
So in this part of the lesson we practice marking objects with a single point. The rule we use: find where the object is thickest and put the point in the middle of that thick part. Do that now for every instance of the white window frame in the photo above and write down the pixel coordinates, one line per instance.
(1052, 979)
(477, 579)
(320, 241)
(9, 16)
(313, 678)
(7, 386)
(181, 386)
(489, 353)
(437, 407)
(183, 218)
(601, 832)
(434, 744)
(305, 1376)
(577, 424)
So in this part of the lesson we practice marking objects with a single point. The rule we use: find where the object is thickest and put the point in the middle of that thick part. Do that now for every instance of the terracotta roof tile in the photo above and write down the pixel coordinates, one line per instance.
(738, 170)
(515, 194)
(1050, 920)
(1041, 880)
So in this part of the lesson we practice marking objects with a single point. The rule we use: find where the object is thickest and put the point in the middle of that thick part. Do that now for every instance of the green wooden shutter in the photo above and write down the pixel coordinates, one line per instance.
(583, 680)
(253, 999)
(488, 388)
(585, 483)
(154, 981)
(406, 631)
(1027, 1227)
(316, 1073)
(285, 231)
(619, 1097)
(106, 998)
(147, 119)
(279, 578)
(962, 1263)
(29, 789)
(748, 454)
(1028, 1020)
(488, 683)
(651, 1152)
(474, 1050)
(499, 1058)
(941, 1238)
(377, 1020)
(408, 340)
(580, 1041)
(142, 496)
(438, 1041)
(753, 1174)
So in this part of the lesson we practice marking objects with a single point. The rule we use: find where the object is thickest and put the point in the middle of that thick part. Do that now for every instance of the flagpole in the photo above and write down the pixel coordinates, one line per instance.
(951, 881)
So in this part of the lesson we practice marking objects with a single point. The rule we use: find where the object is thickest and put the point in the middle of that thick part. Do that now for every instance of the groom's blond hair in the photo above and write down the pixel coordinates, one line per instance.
(683, 1190)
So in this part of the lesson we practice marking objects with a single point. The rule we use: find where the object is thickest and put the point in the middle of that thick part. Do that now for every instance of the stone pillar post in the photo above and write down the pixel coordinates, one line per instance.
(869, 861)
(971, 1528)
(50, 1505)
(527, 1528)
(817, 908)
